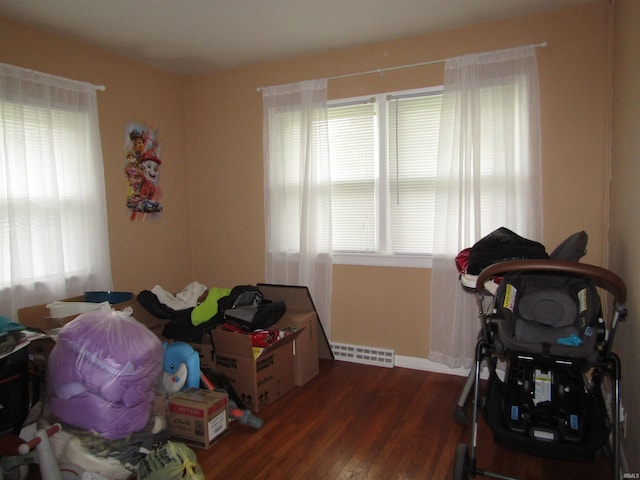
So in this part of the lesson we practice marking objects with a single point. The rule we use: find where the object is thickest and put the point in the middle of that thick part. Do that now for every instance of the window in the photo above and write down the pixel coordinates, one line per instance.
(53, 186)
(53, 229)
(383, 152)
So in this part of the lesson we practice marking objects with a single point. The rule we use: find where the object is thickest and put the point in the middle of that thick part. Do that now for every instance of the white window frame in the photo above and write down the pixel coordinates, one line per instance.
(383, 259)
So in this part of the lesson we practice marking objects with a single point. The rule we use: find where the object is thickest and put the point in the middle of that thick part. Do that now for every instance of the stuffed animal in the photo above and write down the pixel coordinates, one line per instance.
(181, 367)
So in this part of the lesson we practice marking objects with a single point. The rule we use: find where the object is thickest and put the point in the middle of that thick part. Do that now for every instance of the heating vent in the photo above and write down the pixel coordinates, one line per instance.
(381, 357)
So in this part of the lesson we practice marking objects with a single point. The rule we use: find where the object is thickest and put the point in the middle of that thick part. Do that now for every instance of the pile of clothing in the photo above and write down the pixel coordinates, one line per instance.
(196, 309)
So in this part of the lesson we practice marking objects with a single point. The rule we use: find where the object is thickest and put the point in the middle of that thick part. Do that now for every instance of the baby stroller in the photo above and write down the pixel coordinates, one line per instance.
(545, 322)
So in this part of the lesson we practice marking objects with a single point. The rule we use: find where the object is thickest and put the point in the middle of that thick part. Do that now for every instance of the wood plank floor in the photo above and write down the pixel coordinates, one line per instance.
(363, 422)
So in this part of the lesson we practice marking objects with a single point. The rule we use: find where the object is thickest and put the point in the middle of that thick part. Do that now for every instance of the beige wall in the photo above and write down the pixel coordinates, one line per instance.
(388, 307)
(142, 254)
(625, 198)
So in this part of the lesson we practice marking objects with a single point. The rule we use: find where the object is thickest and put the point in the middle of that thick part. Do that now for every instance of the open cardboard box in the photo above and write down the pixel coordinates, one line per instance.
(38, 317)
(258, 376)
(312, 342)
(261, 376)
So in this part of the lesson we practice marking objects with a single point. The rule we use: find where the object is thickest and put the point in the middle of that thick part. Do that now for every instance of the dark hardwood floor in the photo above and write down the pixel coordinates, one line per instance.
(363, 422)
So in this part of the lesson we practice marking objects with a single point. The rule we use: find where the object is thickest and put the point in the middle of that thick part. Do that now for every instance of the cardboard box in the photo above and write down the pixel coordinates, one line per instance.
(311, 344)
(258, 376)
(198, 417)
(305, 345)
(205, 352)
(38, 316)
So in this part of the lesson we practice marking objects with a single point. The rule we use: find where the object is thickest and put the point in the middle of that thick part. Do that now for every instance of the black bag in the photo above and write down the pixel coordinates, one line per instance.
(237, 295)
(249, 310)
(502, 245)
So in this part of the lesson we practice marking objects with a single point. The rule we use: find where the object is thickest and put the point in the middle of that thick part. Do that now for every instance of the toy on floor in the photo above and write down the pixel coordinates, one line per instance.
(243, 415)
(181, 367)
(236, 411)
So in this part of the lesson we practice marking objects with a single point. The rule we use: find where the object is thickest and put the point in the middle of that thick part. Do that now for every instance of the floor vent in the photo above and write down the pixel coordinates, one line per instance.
(381, 357)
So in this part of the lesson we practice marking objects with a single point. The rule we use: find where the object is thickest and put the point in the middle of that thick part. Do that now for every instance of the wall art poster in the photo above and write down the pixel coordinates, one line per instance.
(142, 170)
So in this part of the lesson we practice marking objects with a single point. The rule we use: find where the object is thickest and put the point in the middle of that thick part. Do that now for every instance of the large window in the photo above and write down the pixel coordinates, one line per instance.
(383, 153)
(53, 230)
(45, 192)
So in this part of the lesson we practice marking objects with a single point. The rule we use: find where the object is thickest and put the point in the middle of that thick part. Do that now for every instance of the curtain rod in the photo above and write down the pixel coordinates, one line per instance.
(399, 67)
(102, 88)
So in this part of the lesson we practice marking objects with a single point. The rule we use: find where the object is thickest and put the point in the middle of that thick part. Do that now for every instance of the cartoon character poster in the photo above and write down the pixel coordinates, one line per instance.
(142, 170)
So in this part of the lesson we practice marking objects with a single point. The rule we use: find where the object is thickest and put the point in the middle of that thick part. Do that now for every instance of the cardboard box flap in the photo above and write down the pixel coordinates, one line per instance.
(298, 298)
(225, 341)
(293, 318)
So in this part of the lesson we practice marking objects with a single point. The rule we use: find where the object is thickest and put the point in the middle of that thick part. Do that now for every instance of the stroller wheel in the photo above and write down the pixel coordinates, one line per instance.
(462, 467)
(460, 416)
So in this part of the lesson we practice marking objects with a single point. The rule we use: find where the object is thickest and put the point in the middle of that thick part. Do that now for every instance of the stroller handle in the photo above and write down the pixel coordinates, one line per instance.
(601, 277)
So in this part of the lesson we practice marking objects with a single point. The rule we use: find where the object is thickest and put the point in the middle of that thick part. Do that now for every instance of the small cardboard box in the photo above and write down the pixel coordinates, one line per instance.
(198, 417)
(258, 376)
(312, 342)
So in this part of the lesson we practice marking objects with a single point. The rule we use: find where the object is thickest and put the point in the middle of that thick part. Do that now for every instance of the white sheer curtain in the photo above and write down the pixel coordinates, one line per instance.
(298, 190)
(488, 177)
(53, 217)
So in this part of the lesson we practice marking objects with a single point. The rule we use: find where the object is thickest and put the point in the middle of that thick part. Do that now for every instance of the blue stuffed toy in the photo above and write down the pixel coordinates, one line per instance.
(181, 367)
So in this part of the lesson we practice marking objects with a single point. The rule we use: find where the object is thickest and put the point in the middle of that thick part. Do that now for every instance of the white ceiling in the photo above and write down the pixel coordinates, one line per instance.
(195, 36)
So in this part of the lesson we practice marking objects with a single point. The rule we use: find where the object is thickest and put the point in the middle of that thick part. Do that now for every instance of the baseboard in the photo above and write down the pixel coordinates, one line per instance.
(426, 365)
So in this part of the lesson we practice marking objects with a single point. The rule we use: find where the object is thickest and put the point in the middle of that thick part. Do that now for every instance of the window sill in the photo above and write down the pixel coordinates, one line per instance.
(376, 260)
